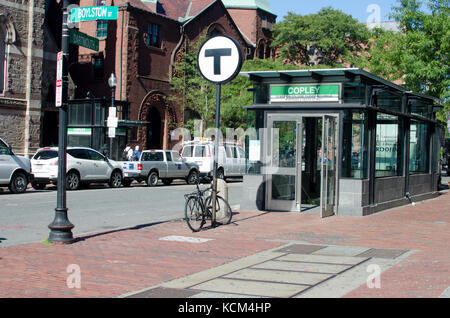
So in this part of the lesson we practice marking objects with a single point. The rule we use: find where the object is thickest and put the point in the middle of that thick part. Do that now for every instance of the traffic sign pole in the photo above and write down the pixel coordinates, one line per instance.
(61, 228)
(219, 61)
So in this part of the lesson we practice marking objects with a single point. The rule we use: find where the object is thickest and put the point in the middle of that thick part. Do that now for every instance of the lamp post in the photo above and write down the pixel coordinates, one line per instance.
(112, 82)
(61, 228)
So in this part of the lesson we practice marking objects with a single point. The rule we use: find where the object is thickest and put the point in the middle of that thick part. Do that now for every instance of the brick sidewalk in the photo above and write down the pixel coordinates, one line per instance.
(118, 262)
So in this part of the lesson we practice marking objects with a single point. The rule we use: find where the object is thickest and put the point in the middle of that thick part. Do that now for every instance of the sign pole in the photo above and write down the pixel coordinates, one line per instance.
(216, 153)
(61, 228)
(219, 61)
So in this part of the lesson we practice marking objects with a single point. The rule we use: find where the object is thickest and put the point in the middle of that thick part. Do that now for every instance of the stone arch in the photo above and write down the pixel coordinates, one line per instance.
(158, 113)
(215, 28)
(8, 29)
(261, 49)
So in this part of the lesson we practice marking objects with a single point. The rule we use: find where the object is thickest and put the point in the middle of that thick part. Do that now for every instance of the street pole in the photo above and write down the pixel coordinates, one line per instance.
(113, 89)
(112, 82)
(216, 154)
(61, 228)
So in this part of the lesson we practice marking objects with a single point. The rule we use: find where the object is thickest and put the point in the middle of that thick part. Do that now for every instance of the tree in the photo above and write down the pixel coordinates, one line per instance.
(419, 53)
(330, 36)
(198, 96)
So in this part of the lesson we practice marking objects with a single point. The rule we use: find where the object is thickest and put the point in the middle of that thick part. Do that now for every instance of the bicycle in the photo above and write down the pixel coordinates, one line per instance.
(198, 208)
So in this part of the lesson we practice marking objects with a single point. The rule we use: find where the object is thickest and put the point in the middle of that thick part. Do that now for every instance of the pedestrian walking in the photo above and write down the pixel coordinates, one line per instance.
(125, 153)
(130, 154)
(136, 153)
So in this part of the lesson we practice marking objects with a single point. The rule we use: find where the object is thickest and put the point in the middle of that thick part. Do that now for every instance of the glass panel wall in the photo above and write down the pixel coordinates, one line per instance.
(387, 156)
(355, 145)
(419, 108)
(419, 147)
(389, 101)
(253, 141)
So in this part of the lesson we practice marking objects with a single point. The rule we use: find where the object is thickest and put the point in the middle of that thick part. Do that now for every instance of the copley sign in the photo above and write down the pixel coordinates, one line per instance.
(305, 93)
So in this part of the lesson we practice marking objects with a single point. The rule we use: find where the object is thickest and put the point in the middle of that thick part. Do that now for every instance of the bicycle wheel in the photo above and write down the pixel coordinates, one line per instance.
(223, 209)
(193, 212)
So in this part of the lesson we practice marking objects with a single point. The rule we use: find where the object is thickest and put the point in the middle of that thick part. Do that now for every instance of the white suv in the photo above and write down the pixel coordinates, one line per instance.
(14, 170)
(84, 165)
(231, 162)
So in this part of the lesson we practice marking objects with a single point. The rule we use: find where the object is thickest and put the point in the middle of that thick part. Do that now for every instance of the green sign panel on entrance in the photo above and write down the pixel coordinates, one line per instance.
(83, 40)
(305, 93)
(93, 13)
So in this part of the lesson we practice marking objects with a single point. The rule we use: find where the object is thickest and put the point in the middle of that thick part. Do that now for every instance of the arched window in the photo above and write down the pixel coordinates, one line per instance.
(3, 52)
(7, 37)
(215, 29)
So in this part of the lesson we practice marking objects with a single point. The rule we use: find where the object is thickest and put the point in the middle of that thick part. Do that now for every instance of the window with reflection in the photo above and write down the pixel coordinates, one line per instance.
(419, 147)
(355, 145)
(387, 146)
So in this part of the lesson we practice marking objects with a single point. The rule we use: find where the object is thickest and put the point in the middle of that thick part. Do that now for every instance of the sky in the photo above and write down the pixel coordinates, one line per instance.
(362, 10)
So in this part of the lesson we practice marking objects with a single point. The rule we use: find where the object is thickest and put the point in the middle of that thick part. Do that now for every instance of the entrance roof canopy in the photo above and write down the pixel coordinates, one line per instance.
(337, 75)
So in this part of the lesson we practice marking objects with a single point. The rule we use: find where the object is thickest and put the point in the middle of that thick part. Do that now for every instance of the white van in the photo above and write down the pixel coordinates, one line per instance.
(231, 162)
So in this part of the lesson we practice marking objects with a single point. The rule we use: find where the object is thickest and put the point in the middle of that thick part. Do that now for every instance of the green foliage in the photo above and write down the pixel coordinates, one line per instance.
(336, 35)
(419, 54)
(199, 96)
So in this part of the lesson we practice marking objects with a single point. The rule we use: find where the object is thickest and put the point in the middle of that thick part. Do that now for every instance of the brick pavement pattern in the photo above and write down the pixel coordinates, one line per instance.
(122, 261)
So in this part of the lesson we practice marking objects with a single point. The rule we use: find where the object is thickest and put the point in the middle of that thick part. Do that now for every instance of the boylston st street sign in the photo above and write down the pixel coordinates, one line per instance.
(93, 13)
(83, 40)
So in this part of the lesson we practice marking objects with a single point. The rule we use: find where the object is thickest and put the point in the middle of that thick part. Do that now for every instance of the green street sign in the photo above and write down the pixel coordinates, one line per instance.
(83, 40)
(93, 13)
(305, 93)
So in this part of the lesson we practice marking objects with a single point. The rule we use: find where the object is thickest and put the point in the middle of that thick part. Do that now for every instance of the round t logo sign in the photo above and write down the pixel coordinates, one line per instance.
(220, 59)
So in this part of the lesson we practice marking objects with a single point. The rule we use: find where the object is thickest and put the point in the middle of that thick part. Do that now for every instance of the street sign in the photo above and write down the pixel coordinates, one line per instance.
(93, 13)
(83, 40)
(111, 132)
(59, 65)
(220, 59)
(112, 122)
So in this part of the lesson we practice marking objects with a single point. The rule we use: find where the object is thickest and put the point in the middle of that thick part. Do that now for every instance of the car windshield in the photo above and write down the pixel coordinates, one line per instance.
(45, 155)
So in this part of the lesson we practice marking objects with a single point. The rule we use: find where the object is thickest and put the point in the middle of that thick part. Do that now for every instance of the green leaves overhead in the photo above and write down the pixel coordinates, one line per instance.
(329, 37)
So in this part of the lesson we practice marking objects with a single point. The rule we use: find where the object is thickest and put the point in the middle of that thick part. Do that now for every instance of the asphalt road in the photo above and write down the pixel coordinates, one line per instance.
(24, 218)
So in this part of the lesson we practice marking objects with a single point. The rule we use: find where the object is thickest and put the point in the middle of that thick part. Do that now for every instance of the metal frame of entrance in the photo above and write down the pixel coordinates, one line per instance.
(272, 116)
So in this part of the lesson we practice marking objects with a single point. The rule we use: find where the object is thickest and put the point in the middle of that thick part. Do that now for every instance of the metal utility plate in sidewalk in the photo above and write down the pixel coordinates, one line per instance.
(294, 270)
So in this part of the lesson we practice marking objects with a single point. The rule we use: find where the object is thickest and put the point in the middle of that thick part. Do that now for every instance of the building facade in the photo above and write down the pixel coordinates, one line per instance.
(27, 65)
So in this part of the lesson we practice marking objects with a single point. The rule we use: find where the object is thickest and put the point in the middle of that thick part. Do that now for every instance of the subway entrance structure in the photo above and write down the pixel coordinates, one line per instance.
(338, 142)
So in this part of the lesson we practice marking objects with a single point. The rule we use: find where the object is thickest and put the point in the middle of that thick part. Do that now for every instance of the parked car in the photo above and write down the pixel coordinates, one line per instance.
(84, 165)
(15, 171)
(153, 165)
(231, 161)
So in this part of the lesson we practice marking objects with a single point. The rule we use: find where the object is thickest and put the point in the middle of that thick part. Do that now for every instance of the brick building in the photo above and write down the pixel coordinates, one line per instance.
(141, 47)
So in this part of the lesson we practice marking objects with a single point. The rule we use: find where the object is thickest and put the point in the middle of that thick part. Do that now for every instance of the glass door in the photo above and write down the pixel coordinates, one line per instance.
(284, 153)
(329, 164)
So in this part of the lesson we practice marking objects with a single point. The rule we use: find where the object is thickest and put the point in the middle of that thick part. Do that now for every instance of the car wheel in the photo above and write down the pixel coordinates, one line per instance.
(116, 179)
(72, 181)
(152, 179)
(18, 183)
(38, 186)
(192, 177)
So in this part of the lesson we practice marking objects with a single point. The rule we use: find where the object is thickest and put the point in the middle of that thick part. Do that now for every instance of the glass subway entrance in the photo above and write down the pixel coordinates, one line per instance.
(301, 169)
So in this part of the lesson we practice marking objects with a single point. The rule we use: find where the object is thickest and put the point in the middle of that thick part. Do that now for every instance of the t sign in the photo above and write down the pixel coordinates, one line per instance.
(220, 59)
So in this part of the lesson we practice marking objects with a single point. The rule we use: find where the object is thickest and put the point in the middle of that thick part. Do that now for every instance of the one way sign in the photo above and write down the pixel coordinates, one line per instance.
(220, 59)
